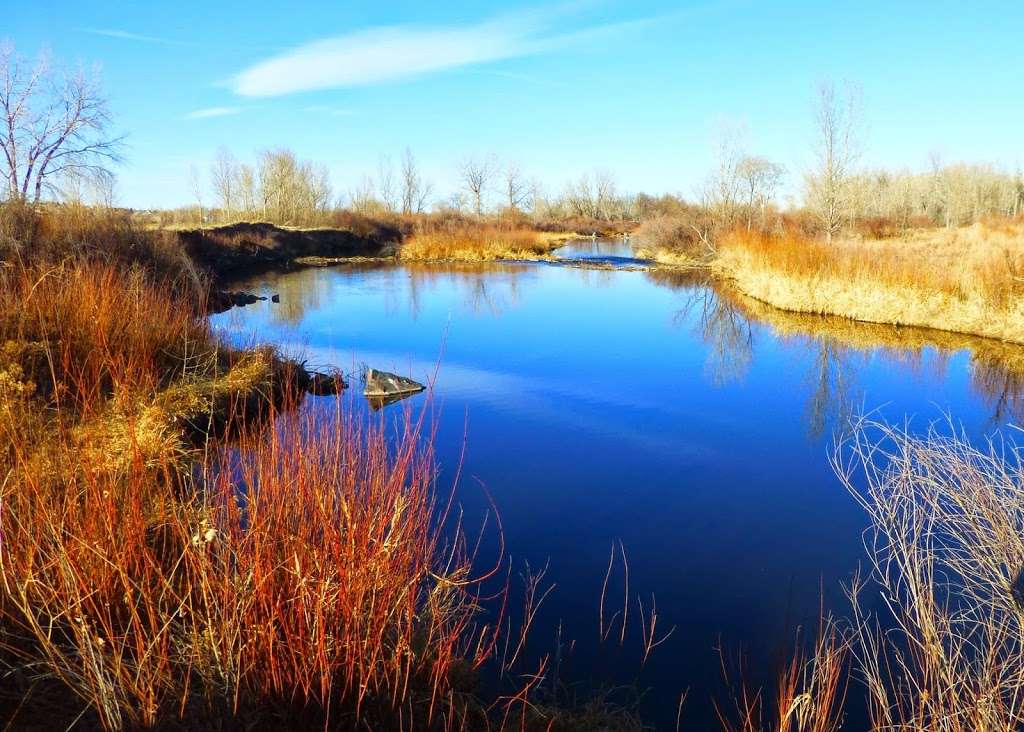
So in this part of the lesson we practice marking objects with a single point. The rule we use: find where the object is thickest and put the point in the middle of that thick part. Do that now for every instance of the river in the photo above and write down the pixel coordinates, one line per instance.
(600, 406)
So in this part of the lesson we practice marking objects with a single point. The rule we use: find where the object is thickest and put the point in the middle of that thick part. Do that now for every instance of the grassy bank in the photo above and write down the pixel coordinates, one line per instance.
(967, 280)
(229, 250)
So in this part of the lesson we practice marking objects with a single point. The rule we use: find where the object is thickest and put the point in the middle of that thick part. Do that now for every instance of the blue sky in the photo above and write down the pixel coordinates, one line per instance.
(634, 88)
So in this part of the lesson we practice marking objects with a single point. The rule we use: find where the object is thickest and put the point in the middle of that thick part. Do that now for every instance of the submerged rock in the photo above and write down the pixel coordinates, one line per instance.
(385, 387)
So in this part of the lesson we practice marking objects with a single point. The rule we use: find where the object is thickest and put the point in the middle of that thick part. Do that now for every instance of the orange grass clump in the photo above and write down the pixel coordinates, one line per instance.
(305, 572)
(98, 327)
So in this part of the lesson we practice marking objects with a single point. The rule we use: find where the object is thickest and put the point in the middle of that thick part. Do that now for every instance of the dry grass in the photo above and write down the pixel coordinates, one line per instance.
(809, 696)
(308, 579)
(304, 576)
(95, 328)
(77, 233)
(967, 280)
(464, 240)
(946, 548)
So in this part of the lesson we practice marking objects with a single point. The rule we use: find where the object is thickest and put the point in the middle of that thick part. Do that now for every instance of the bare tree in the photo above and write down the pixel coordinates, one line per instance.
(516, 189)
(721, 191)
(54, 124)
(361, 197)
(839, 148)
(759, 178)
(245, 185)
(579, 197)
(386, 183)
(224, 175)
(196, 184)
(605, 198)
(415, 191)
(292, 191)
(476, 176)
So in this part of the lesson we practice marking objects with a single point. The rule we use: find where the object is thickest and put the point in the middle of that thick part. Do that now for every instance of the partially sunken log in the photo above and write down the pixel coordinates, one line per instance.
(385, 386)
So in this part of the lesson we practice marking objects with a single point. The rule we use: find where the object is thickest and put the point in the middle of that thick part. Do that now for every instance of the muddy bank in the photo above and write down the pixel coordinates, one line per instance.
(226, 252)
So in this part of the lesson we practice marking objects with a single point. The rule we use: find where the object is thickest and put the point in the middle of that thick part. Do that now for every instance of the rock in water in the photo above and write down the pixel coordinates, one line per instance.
(384, 385)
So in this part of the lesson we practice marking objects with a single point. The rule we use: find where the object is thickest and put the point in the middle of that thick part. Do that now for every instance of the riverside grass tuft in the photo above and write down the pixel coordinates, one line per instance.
(470, 241)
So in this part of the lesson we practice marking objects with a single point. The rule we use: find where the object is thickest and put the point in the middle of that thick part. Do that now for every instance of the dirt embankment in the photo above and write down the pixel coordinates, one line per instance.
(226, 251)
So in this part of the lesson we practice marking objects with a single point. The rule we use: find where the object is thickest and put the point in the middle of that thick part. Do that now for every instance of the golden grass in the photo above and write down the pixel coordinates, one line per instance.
(968, 280)
(480, 244)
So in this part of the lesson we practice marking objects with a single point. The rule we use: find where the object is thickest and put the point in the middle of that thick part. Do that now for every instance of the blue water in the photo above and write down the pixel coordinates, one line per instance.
(610, 406)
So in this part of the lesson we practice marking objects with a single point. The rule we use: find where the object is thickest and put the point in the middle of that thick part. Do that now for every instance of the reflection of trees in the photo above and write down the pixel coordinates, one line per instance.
(488, 287)
(300, 292)
(720, 324)
(840, 350)
(835, 392)
(728, 334)
(723, 319)
(996, 368)
(1001, 385)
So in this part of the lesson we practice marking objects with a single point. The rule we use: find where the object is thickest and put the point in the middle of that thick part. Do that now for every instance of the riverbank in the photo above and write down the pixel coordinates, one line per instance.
(968, 280)
(230, 251)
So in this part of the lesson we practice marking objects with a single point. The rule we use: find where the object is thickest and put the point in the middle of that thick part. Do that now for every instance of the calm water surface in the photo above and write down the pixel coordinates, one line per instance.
(601, 406)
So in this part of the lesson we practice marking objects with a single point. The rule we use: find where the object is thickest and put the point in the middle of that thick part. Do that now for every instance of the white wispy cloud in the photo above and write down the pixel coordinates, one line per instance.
(399, 52)
(212, 112)
(128, 36)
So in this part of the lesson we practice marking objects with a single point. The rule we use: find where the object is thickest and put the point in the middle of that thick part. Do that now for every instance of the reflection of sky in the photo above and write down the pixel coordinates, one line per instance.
(599, 406)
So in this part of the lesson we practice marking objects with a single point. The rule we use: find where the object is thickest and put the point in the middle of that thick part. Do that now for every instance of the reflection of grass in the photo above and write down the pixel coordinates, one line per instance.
(966, 280)
(997, 367)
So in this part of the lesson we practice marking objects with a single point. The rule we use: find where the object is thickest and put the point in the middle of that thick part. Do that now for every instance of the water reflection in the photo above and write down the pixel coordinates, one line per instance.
(724, 328)
(995, 369)
(841, 348)
(490, 288)
(725, 320)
